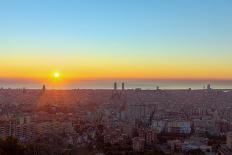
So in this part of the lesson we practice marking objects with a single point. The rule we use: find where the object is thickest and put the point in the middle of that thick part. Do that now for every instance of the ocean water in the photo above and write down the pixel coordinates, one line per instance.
(129, 84)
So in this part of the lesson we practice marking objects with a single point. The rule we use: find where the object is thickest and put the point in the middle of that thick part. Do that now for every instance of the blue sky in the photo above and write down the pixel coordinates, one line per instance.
(115, 22)
(186, 29)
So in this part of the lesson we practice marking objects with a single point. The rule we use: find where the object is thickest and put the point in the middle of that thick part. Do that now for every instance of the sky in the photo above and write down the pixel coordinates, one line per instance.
(110, 39)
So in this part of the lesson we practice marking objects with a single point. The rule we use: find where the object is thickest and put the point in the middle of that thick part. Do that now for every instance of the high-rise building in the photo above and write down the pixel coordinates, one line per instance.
(44, 88)
(123, 86)
(115, 85)
(24, 90)
(208, 87)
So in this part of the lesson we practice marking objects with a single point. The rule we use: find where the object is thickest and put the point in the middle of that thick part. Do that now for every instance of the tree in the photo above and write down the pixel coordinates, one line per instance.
(11, 146)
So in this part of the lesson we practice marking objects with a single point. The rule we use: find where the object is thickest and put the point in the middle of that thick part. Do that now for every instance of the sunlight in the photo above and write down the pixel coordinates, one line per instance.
(56, 75)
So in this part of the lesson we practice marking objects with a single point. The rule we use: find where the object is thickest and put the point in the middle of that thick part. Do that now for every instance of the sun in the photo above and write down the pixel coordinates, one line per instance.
(56, 75)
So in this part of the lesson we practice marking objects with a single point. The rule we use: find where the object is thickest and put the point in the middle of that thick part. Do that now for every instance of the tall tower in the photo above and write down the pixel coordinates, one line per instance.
(44, 88)
(123, 86)
(115, 86)
(24, 90)
(208, 87)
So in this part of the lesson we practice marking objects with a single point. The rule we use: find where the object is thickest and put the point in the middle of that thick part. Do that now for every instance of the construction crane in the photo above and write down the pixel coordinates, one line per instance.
(151, 116)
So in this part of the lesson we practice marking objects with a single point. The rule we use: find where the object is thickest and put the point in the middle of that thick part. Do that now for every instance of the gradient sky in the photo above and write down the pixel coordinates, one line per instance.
(98, 39)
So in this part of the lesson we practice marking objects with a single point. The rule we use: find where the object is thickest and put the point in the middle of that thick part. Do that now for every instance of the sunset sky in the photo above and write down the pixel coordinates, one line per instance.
(108, 39)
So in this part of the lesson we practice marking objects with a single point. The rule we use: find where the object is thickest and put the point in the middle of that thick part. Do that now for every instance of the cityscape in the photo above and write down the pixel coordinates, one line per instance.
(119, 120)
(115, 77)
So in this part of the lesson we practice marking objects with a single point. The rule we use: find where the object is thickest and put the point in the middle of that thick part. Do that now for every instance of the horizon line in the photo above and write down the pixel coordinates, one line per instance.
(21, 79)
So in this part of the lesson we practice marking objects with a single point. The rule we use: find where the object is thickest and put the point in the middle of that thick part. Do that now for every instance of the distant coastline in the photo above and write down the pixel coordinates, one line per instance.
(129, 84)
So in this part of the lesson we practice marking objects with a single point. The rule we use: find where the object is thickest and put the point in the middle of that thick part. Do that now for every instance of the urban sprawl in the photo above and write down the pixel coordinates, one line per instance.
(119, 121)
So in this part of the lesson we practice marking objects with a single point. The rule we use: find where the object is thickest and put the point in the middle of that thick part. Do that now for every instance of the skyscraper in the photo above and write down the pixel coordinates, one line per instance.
(208, 87)
(44, 88)
(123, 86)
(115, 85)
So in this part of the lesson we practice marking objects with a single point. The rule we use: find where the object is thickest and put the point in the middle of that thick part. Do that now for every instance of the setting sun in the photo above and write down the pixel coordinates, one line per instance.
(56, 75)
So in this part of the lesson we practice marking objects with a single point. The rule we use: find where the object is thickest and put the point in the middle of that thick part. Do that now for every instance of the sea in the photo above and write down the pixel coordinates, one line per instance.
(129, 84)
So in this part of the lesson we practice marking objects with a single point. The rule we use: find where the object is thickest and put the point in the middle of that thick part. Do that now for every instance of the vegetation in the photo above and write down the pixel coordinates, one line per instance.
(11, 146)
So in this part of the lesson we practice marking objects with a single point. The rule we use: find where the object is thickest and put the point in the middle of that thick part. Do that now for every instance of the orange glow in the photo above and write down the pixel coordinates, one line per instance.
(81, 67)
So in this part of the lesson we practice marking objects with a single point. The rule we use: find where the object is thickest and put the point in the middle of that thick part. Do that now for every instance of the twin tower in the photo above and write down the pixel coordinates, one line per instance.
(115, 86)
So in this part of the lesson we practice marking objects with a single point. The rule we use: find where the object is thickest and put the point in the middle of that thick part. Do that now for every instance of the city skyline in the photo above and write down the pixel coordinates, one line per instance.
(115, 40)
(115, 77)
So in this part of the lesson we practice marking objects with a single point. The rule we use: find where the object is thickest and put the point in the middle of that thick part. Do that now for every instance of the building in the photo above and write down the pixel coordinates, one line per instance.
(44, 88)
(229, 140)
(25, 132)
(208, 87)
(159, 126)
(224, 150)
(23, 120)
(20, 127)
(123, 86)
(174, 144)
(115, 85)
(151, 136)
(182, 127)
(138, 144)
(142, 133)
(6, 128)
